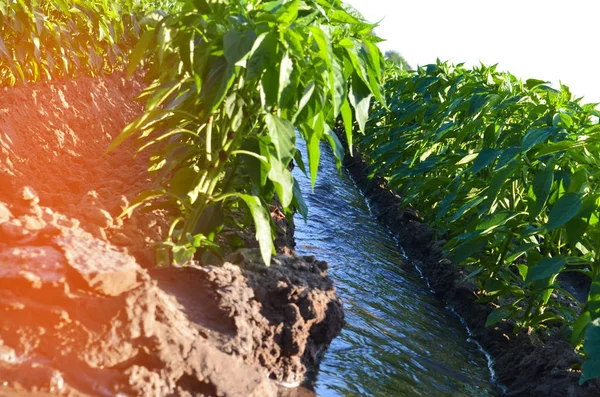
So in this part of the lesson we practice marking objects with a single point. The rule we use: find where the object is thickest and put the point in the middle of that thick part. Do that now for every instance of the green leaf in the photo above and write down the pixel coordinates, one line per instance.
(306, 98)
(139, 51)
(289, 13)
(531, 83)
(469, 248)
(484, 158)
(535, 136)
(269, 92)
(314, 151)
(182, 254)
(336, 146)
(353, 50)
(591, 368)
(181, 183)
(578, 180)
(466, 207)
(261, 55)
(283, 180)
(575, 229)
(257, 169)
(262, 223)
(212, 219)
(594, 297)
(237, 45)
(545, 268)
(217, 82)
(467, 159)
(360, 97)
(498, 315)
(347, 119)
(324, 45)
(288, 81)
(520, 251)
(339, 87)
(546, 316)
(283, 136)
(564, 210)
(300, 162)
(495, 220)
(344, 17)
(474, 273)
(542, 183)
(579, 327)
(562, 120)
(552, 147)
(507, 156)
(298, 202)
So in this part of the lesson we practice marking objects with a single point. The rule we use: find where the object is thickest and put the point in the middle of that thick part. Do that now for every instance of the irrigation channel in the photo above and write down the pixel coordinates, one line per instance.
(399, 340)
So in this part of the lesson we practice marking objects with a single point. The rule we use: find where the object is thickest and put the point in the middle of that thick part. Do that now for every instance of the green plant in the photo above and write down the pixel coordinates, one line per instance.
(508, 173)
(232, 82)
(50, 39)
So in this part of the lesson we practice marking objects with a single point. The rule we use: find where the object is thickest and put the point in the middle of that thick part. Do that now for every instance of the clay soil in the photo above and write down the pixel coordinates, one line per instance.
(83, 309)
(524, 364)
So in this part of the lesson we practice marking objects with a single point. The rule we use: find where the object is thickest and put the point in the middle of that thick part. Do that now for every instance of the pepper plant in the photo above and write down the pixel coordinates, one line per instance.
(51, 39)
(232, 84)
(508, 172)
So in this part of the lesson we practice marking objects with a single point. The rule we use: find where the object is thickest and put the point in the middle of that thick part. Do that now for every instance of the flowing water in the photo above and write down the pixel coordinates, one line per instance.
(399, 339)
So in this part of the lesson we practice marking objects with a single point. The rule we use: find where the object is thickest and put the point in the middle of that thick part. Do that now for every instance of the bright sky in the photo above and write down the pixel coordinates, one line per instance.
(548, 40)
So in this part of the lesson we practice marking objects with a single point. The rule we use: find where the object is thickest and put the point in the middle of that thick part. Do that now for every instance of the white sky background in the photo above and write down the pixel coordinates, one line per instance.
(547, 40)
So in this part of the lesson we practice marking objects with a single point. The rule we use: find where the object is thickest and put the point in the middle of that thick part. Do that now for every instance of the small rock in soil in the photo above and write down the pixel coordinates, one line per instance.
(104, 270)
(45, 264)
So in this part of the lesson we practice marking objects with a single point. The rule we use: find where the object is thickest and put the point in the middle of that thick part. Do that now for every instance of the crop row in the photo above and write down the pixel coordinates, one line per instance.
(51, 39)
(508, 173)
(233, 83)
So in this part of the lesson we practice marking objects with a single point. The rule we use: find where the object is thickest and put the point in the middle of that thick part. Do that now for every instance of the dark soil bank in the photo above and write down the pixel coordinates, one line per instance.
(523, 364)
(80, 312)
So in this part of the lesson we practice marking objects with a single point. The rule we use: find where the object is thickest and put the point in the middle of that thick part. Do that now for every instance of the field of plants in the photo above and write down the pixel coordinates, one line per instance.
(231, 85)
(507, 172)
(54, 39)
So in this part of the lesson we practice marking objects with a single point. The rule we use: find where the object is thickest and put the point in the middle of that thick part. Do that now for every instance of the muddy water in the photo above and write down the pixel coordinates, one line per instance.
(399, 340)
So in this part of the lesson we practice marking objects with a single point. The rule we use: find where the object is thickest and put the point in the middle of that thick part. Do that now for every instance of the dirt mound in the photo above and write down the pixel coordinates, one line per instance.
(80, 316)
(280, 318)
(524, 364)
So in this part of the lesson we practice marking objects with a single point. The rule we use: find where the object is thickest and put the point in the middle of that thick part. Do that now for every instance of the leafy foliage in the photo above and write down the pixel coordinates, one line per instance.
(508, 173)
(232, 82)
(50, 39)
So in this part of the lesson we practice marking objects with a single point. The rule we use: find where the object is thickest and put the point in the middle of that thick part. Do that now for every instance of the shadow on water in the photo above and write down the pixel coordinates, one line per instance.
(399, 339)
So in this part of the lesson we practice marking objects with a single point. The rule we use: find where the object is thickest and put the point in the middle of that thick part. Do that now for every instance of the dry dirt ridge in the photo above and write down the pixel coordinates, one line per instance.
(524, 365)
(82, 311)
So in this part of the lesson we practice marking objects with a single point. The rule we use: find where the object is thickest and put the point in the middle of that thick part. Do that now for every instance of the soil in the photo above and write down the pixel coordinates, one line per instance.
(84, 312)
(524, 364)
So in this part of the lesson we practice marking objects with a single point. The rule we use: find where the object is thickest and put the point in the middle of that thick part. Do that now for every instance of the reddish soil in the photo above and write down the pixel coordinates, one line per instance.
(54, 137)
(524, 364)
(82, 314)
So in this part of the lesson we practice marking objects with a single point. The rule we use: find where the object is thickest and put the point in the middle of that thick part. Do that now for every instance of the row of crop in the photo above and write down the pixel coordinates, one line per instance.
(50, 39)
(508, 172)
(233, 83)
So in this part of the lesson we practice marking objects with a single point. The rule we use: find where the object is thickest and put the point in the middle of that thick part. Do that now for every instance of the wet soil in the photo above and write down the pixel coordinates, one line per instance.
(84, 312)
(524, 364)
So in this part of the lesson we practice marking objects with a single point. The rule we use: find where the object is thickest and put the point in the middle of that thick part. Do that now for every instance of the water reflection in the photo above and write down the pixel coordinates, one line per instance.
(399, 340)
